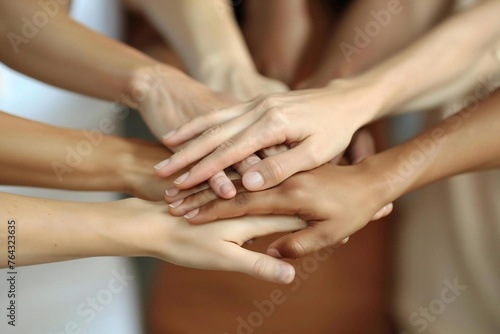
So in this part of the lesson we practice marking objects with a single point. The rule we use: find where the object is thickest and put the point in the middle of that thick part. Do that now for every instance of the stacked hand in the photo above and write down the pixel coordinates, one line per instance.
(228, 136)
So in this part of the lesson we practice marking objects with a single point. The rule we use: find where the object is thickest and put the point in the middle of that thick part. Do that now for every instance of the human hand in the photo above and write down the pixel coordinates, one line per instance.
(336, 201)
(242, 82)
(167, 98)
(315, 136)
(215, 246)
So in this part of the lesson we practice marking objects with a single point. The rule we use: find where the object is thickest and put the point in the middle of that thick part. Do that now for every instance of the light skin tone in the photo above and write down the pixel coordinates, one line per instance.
(54, 231)
(107, 69)
(335, 112)
(218, 59)
(337, 201)
(403, 25)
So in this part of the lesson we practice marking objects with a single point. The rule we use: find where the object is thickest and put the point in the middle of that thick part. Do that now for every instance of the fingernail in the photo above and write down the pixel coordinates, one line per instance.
(176, 203)
(181, 178)
(226, 188)
(169, 134)
(162, 164)
(172, 192)
(274, 253)
(191, 214)
(284, 273)
(253, 180)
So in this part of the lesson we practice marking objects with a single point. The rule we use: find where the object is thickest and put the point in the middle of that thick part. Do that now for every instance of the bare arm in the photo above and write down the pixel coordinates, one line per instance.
(352, 49)
(40, 155)
(66, 54)
(208, 39)
(456, 53)
(337, 201)
(35, 231)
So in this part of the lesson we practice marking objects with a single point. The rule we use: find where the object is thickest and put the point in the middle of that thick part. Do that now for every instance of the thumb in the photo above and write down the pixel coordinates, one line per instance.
(260, 265)
(276, 169)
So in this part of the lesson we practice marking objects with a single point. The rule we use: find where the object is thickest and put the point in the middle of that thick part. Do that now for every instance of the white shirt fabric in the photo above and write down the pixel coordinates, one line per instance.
(448, 257)
(97, 295)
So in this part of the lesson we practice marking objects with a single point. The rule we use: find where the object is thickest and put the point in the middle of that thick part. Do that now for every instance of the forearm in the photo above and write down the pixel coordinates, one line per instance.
(351, 50)
(66, 54)
(40, 155)
(448, 60)
(465, 142)
(51, 231)
(185, 24)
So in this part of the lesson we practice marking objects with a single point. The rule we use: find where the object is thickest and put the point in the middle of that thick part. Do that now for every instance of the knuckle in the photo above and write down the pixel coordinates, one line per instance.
(268, 102)
(296, 191)
(274, 170)
(315, 154)
(213, 131)
(327, 238)
(242, 199)
(227, 145)
(296, 248)
(260, 266)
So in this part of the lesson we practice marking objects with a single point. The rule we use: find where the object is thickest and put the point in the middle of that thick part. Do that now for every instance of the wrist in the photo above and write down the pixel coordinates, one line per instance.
(222, 62)
(363, 95)
(132, 228)
(143, 80)
(402, 169)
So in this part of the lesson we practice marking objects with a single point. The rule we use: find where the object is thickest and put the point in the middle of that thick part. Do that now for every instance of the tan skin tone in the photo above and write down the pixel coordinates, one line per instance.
(338, 108)
(164, 96)
(54, 231)
(339, 200)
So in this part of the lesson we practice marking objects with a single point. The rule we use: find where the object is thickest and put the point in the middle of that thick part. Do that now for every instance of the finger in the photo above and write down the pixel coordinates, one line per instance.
(273, 150)
(242, 166)
(362, 146)
(174, 194)
(201, 123)
(221, 135)
(338, 158)
(244, 203)
(274, 170)
(308, 240)
(385, 211)
(193, 202)
(259, 135)
(259, 265)
(222, 185)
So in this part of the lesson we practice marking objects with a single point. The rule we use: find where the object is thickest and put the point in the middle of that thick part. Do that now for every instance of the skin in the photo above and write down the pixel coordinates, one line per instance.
(276, 45)
(135, 227)
(54, 231)
(338, 110)
(409, 23)
(337, 201)
(165, 97)
(220, 60)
